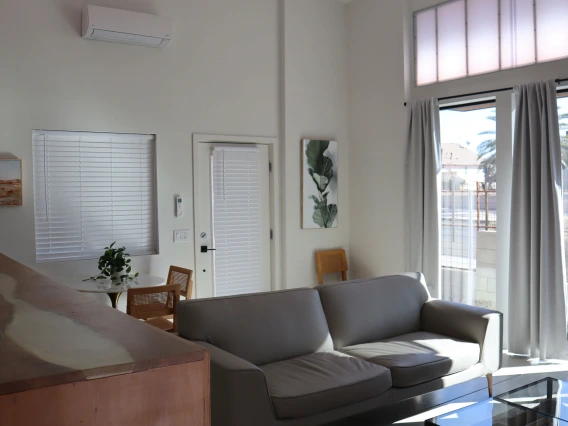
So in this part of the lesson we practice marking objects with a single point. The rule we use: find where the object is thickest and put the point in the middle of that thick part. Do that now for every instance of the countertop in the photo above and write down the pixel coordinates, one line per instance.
(51, 334)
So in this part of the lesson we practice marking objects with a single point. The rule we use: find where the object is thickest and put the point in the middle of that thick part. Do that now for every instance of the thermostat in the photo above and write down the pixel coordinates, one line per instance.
(179, 206)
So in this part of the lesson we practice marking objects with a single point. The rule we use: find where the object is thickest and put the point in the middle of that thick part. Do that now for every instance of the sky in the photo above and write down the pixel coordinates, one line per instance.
(9, 169)
(464, 127)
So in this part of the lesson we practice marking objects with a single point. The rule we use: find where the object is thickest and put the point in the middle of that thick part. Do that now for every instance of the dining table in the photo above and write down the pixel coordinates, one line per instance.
(112, 289)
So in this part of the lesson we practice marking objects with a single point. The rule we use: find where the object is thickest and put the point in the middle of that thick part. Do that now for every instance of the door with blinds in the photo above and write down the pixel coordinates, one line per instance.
(232, 219)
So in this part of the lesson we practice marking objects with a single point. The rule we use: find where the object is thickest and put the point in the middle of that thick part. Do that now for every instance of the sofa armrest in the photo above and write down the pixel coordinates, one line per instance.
(467, 323)
(239, 393)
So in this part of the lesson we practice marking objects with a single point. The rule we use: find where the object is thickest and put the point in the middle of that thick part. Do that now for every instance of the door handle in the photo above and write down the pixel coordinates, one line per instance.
(204, 249)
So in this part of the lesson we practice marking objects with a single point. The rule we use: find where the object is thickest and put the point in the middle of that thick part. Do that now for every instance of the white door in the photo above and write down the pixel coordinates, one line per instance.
(232, 219)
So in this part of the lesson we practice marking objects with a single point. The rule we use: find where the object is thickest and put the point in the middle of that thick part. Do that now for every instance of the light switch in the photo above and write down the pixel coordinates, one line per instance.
(181, 236)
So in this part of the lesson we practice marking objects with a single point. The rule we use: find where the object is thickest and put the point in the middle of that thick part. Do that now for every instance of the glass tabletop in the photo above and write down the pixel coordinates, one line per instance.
(547, 396)
(107, 286)
(494, 413)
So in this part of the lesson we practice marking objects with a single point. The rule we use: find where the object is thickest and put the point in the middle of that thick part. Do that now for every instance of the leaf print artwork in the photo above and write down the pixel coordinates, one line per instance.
(319, 184)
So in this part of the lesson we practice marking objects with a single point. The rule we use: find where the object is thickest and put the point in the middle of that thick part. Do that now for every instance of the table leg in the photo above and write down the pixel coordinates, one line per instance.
(114, 299)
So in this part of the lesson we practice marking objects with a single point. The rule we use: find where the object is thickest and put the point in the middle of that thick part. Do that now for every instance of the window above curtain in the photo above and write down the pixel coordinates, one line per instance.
(462, 38)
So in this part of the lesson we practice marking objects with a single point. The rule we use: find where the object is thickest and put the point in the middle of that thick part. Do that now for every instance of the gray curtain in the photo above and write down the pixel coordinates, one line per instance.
(537, 302)
(423, 163)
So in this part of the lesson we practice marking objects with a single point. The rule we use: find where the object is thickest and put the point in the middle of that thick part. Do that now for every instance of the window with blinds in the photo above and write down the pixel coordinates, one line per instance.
(237, 220)
(462, 38)
(91, 189)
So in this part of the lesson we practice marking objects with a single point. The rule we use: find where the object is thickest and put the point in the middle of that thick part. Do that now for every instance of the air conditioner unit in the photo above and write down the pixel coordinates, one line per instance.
(122, 26)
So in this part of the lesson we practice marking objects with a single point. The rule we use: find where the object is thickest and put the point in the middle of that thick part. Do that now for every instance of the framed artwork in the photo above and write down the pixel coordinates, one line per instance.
(10, 182)
(319, 184)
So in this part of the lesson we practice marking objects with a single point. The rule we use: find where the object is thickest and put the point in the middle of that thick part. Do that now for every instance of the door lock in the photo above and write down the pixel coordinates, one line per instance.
(204, 249)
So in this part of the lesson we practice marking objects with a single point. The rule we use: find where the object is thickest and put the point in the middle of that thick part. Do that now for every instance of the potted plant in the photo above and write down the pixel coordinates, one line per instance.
(115, 264)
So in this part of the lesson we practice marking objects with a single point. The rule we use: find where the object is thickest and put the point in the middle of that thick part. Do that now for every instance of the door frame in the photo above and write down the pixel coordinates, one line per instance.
(275, 245)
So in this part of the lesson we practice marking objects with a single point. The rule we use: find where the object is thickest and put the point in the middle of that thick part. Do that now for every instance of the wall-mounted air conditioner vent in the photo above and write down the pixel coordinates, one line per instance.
(122, 26)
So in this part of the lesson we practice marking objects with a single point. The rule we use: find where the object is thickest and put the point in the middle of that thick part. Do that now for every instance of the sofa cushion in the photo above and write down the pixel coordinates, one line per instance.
(260, 328)
(314, 383)
(373, 309)
(418, 357)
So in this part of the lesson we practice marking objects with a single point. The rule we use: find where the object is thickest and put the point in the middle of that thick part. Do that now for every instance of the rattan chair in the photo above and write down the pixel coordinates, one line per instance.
(182, 277)
(153, 304)
(331, 261)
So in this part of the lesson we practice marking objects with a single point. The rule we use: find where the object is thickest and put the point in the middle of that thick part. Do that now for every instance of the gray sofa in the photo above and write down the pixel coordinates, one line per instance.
(313, 356)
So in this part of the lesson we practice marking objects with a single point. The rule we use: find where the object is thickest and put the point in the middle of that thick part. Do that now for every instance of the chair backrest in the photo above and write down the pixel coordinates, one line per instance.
(182, 277)
(153, 302)
(331, 261)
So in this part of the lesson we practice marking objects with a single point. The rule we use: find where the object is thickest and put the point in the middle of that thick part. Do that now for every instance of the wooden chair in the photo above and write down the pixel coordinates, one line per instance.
(331, 261)
(182, 277)
(153, 304)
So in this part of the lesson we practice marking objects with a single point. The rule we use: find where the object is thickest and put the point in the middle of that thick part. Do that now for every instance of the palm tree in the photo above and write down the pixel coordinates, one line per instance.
(563, 118)
(487, 150)
(487, 153)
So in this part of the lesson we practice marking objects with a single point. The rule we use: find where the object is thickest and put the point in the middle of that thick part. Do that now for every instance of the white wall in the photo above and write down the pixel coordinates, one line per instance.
(314, 106)
(220, 75)
(376, 156)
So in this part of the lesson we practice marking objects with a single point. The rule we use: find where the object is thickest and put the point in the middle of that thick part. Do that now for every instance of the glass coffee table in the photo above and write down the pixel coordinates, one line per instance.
(543, 403)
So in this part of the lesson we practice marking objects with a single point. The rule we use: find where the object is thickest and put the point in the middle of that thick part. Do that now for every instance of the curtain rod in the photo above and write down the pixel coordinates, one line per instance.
(487, 92)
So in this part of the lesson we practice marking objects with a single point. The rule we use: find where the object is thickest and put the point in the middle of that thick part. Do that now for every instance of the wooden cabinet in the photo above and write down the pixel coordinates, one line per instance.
(66, 359)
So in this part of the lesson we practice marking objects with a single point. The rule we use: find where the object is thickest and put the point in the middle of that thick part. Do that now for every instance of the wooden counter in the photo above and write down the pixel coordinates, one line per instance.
(67, 359)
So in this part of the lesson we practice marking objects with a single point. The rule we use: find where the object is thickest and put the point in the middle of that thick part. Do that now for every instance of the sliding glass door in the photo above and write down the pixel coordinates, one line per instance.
(563, 119)
(475, 196)
(469, 204)
(474, 267)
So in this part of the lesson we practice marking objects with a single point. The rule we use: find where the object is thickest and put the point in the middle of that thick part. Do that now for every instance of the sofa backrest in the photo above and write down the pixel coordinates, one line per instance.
(365, 311)
(261, 328)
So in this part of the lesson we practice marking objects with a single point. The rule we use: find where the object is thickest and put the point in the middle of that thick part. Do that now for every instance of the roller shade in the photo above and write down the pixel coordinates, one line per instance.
(461, 38)
(91, 189)
(236, 198)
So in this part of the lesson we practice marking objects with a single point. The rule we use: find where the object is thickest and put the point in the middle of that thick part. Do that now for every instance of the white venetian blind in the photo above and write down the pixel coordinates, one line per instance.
(237, 220)
(91, 189)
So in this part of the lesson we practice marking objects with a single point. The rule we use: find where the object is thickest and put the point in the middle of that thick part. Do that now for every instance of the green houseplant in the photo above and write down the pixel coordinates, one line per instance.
(114, 264)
